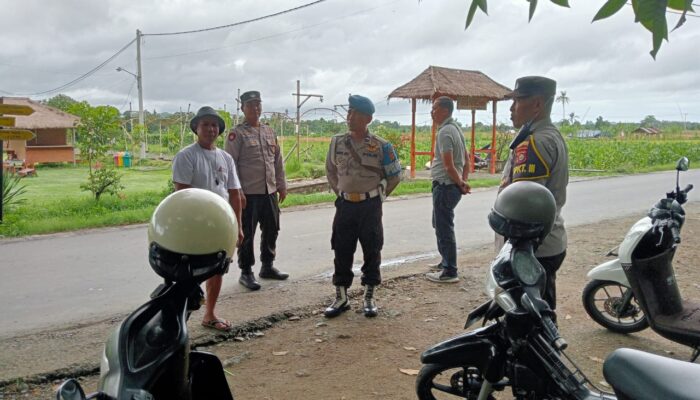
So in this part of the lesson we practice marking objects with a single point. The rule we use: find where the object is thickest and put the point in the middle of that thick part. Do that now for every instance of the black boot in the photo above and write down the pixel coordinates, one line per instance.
(368, 304)
(247, 279)
(340, 304)
(267, 271)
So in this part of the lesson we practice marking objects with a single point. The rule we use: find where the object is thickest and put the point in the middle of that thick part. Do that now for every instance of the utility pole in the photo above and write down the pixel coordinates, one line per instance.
(299, 104)
(139, 82)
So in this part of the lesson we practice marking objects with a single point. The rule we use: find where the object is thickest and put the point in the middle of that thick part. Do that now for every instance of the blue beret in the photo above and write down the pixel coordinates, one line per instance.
(361, 104)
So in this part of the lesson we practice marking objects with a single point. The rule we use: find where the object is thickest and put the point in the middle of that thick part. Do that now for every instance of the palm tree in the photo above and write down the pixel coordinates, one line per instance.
(573, 117)
(563, 99)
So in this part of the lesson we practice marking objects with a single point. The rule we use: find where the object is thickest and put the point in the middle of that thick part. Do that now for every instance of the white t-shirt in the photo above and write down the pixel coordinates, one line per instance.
(213, 170)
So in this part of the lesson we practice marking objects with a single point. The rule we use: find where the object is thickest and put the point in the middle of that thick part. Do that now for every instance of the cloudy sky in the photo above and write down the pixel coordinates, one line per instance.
(338, 47)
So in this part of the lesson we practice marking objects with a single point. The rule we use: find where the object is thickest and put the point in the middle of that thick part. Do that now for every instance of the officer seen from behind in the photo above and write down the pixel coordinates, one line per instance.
(539, 154)
(362, 169)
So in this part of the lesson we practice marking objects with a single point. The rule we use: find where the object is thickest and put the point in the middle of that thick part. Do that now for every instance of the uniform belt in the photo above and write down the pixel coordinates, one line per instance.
(358, 197)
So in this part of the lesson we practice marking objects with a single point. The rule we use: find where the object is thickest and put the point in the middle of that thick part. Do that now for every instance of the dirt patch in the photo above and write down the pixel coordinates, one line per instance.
(300, 354)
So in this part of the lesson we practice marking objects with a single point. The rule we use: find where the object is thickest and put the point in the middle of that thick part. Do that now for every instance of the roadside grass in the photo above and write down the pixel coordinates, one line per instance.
(55, 202)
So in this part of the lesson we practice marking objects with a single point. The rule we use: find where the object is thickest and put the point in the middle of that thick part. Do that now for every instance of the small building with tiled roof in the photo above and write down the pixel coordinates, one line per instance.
(52, 129)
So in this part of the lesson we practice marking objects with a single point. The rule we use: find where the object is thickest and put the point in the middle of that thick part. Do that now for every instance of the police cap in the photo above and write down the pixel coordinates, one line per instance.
(533, 85)
(250, 96)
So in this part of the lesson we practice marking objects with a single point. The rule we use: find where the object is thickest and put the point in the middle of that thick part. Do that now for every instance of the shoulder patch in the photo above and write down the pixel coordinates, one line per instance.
(528, 164)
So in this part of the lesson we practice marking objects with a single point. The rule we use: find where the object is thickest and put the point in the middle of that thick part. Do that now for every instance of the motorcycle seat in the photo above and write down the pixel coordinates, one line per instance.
(634, 374)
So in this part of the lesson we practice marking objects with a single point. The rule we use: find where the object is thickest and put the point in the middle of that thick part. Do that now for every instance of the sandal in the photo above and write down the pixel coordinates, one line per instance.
(219, 324)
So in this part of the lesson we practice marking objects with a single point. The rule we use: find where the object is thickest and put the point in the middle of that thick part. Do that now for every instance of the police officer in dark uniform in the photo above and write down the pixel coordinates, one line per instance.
(539, 154)
(362, 169)
(257, 154)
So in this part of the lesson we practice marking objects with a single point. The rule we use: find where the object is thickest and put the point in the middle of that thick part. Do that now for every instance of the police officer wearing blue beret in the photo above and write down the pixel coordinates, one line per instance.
(539, 154)
(362, 169)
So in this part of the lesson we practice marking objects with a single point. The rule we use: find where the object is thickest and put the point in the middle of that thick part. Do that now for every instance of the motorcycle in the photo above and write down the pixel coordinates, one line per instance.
(148, 355)
(645, 261)
(519, 347)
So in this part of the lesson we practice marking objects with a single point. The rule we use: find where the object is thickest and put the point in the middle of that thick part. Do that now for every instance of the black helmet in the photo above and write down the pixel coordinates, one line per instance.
(191, 236)
(523, 210)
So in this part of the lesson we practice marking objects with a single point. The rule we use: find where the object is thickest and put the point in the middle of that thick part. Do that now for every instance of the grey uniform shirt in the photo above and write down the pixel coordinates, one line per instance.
(258, 158)
(543, 158)
(345, 174)
(213, 170)
(449, 139)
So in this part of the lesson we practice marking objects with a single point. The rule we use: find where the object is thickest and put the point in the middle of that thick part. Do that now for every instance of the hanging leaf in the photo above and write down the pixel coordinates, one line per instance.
(563, 3)
(472, 11)
(533, 6)
(681, 5)
(609, 8)
(482, 4)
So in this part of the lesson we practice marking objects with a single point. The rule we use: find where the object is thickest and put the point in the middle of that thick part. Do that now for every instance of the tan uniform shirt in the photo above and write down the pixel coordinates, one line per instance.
(543, 158)
(258, 159)
(345, 174)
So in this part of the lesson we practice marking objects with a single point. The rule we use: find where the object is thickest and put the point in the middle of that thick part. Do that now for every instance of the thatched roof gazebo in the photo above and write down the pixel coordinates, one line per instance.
(471, 89)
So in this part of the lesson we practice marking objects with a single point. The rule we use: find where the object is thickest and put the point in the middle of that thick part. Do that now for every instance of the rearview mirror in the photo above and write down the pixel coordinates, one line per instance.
(70, 390)
(683, 164)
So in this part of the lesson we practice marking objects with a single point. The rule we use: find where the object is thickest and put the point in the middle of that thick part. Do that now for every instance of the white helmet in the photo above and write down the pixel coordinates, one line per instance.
(192, 236)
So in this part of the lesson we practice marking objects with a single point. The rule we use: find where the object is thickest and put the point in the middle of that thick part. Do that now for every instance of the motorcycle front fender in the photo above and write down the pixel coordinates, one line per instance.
(609, 271)
(475, 348)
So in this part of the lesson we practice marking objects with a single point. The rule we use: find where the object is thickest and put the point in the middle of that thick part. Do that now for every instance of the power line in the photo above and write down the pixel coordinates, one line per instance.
(100, 66)
(210, 49)
(238, 23)
(78, 79)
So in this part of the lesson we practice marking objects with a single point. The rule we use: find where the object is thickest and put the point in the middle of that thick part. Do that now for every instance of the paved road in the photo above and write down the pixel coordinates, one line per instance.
(55, 279)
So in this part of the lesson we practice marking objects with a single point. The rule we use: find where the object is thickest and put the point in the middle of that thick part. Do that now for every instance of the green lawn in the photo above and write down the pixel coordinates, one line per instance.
(64, 183)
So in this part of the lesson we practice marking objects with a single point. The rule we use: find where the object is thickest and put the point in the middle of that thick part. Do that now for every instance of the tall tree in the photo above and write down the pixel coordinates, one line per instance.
(651, 14)
(564, 100)
(60, 101)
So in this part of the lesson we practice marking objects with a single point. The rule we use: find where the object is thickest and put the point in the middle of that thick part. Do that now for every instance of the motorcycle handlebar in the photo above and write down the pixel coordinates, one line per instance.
(688, 188)
(557, 341)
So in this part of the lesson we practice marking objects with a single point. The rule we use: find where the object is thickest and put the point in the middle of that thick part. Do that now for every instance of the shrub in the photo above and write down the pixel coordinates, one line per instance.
(103, 180)
(12, 190)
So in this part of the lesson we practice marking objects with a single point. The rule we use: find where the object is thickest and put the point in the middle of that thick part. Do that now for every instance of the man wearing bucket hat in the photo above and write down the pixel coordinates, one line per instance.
(204, 166)
(362, 169)
(539, 154)
(257, 154)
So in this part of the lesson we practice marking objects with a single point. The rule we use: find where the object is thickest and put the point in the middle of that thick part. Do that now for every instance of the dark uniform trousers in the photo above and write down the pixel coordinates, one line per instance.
(263, 209)
(551, 266)
(357, 221)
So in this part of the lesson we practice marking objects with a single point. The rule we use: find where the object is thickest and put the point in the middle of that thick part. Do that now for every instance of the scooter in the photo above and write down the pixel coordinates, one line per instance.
(519, 347)
(645, 258)
(148, 355)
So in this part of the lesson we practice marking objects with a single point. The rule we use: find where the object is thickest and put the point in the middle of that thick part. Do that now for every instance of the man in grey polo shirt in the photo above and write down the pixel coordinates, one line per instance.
(449, 172)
